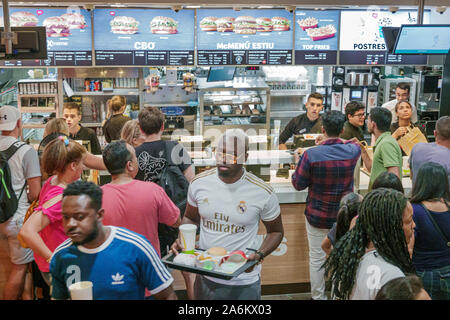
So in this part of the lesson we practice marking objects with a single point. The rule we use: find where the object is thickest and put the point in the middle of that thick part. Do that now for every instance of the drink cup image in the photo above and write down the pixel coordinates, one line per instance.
(81, 290)
(187, 237)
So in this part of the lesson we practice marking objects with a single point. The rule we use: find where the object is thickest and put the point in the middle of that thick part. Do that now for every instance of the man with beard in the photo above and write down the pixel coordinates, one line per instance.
(119, 262)
(228, 203)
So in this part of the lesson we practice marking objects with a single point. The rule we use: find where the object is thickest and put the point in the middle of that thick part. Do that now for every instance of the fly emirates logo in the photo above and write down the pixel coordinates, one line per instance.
(221, 224)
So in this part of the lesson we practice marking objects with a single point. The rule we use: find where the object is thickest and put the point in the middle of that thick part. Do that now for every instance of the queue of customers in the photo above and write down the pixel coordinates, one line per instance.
(91, 233)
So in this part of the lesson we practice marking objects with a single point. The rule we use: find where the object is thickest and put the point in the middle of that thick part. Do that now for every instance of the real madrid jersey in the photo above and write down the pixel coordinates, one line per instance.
(121, 268)
(230, 214)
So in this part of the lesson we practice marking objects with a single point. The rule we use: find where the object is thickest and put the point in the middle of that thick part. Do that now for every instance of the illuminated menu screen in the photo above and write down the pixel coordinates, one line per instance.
(247, 37)
(69, 40)
(362, 41)
(144, 37)
(316, 36)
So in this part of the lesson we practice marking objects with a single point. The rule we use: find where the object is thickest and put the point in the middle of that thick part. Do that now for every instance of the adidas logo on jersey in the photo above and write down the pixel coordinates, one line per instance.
(117, 279)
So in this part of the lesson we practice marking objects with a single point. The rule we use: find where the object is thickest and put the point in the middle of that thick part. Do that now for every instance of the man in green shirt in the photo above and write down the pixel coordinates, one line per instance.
(387, 155)
(355, 114)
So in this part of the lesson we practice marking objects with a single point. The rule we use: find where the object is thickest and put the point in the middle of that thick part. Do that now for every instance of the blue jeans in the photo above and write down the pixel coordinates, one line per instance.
(436, 282)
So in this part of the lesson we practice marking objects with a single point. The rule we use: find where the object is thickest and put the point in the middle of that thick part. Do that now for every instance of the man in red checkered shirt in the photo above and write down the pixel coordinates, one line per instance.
(327, 171)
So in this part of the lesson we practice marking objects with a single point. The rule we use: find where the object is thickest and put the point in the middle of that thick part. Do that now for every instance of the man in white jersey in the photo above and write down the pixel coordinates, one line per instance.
(228, 204)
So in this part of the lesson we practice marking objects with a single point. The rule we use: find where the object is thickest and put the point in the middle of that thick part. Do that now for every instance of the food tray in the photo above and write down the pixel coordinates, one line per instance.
(331, 35)
(168, 260)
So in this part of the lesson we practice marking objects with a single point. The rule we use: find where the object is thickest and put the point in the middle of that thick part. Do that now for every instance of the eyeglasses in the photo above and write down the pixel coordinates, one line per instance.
(359, 115)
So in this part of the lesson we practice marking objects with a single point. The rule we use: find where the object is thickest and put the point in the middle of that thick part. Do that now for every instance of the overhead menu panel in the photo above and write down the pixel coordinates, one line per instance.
(69, 40)
(361, 37)
(316, 36)
(245, 37)
(144, 37)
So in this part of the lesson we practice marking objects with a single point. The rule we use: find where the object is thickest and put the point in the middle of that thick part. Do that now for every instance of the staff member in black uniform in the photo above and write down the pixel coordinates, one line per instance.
(309, 122)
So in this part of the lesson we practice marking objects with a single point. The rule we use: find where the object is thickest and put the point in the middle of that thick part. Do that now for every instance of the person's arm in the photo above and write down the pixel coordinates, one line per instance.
(286, 134)
(275, 233)
(394, 170)
(30, 233)
(34, 187)
(400, 132)
(301, 175)
(166, 294)
(93, 162)
(366, 159)
(327, 246)
(189, 173)
(191, 216)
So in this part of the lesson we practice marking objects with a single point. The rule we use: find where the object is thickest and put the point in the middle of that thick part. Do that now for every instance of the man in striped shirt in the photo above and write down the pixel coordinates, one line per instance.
(119, 262)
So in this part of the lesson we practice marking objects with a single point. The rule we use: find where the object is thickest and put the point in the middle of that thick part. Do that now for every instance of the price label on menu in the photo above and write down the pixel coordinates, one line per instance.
(246, 37)
(144, 37)
(68, 32)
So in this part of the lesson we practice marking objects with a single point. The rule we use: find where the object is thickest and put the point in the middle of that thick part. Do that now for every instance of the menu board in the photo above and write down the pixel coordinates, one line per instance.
(361, 37)
(69, 40)
(316, 36)
(245, 37)
(144, 37)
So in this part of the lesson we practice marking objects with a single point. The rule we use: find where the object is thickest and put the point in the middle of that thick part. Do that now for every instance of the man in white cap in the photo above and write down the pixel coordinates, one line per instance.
(24, 166)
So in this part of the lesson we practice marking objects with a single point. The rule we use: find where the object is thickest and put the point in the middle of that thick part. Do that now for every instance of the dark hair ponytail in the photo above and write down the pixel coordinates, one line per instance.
(348, 210)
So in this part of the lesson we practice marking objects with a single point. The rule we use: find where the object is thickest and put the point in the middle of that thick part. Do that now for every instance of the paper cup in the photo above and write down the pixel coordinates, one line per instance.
(187, 237)
(81, 290)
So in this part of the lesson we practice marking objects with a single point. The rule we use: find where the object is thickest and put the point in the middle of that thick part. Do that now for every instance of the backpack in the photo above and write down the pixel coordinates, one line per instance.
(8, 200)
(175, 184)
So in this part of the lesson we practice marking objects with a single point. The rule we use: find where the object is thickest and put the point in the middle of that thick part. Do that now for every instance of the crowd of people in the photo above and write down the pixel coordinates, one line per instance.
(385, 245)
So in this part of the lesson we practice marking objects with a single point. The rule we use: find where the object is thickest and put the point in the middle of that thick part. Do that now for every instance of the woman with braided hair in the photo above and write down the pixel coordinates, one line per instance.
(375, 250)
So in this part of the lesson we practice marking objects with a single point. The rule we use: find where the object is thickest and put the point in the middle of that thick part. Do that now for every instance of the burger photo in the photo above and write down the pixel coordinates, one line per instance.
(245, 25)
(280, 24)
(56, 27)
(225, 24)
(75, 20)
(264, 24)
(22, 19)
(163, 25)
(208, 24)
(124, 25)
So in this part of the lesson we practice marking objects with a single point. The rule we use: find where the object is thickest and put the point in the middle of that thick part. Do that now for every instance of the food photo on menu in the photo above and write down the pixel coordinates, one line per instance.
(21, 19)
(317, 29)
(244, 24)
(124, 25)
(163, 25)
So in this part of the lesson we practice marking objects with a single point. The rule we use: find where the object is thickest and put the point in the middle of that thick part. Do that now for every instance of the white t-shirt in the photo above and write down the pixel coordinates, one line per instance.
(230, 214)
(24, 164)
(373, 272)
(391, 107)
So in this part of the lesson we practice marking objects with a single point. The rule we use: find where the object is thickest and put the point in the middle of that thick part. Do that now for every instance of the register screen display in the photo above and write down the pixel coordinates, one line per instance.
(433, 40)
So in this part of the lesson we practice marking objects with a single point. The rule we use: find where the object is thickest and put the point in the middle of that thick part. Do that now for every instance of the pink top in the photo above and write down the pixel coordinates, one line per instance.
(139, 206)
(53, 234)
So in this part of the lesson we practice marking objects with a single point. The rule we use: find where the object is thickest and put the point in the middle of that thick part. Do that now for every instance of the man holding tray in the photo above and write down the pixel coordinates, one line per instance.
(227, 203)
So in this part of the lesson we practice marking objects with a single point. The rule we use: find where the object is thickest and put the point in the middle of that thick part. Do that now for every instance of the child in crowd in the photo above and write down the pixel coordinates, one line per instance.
(407, 288)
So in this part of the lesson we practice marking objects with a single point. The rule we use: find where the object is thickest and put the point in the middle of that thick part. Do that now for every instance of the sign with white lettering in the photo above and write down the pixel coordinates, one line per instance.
(247, 37)
(144, 37)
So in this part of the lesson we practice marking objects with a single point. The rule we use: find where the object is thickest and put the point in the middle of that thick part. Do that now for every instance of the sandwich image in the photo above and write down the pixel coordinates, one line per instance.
(22, 19)
(280, 24)
(208, 24)
(264, 24)
(307, 23)
(225, 24)
(245, 25)
(124, 25)
(163, 25)
(321, 33)
(56, 27)
(75, 20)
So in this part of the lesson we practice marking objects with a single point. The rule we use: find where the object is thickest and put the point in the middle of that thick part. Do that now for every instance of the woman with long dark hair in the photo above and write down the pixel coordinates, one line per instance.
(375, 250)
(431, 255)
